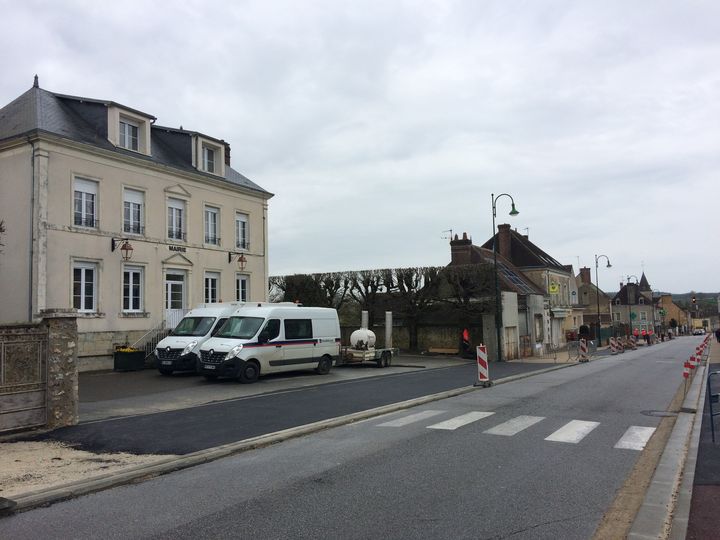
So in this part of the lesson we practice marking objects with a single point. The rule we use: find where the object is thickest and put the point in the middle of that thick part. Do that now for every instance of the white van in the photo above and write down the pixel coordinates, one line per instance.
(180, 350)
(269, 339)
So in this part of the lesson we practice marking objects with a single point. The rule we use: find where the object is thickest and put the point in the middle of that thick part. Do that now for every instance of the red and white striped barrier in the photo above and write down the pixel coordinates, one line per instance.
(686, 370)
(692, 362)
(621, 345)
(584, 357)
(483, 367)
(613, 346)
(633, 342)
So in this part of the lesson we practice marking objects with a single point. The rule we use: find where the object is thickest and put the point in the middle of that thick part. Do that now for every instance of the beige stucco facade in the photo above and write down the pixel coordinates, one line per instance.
(43, 246)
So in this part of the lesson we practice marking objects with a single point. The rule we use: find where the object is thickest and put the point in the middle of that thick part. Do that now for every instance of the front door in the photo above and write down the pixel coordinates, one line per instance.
(174, 298)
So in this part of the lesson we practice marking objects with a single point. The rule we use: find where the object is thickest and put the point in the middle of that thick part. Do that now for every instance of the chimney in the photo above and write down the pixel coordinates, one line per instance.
(227, 154)
(504, 240)
(461, 250)
(585, 278)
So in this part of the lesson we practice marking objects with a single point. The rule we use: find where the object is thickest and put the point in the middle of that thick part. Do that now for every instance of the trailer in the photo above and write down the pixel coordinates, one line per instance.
(381, 357)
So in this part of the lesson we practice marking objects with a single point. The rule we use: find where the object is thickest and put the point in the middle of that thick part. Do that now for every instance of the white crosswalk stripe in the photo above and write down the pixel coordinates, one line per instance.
(573, 432)
(635, 438)
(461, 420)
(515, 425)
(411, 418)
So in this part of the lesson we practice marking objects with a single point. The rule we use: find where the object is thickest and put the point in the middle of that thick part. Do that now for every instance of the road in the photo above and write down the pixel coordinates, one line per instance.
(535, 458)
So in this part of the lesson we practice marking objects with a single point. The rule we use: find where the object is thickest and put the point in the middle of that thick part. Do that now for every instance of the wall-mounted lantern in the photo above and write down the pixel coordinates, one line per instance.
(240, 258)
(126, 249)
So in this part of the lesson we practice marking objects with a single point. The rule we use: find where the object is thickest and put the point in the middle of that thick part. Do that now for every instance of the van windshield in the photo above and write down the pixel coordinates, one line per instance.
(194, 326)
(240, 327)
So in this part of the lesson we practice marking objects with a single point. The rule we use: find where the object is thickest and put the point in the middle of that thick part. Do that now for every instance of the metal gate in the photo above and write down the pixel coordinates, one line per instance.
(23, 377)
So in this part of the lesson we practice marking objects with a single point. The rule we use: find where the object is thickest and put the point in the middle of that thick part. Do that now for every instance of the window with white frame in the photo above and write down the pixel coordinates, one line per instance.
(85, 287)
(241, 288)
(85, 194)
(132, 288)
(133, 210)
(241, 231)
(616, 316)
(129, 134)
(176, 219)
(208, 158)
(212, 286)
(643, 316)
(212, 225)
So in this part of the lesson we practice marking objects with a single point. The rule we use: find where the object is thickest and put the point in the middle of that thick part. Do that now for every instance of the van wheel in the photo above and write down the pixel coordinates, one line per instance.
(164, 371)
(387, 358)
(249, 373)
(324, 365)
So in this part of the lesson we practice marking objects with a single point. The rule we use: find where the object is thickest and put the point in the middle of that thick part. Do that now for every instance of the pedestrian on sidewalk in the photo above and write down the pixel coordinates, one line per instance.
(717, 335)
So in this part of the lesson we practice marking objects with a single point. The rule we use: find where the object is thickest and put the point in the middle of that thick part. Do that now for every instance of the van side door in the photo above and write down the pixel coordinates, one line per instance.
(270, 349)
(299, 343)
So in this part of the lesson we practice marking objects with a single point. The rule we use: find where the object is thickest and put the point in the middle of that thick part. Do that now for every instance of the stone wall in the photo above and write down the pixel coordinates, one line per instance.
(62, 375)
(95, 349)
(40, 382)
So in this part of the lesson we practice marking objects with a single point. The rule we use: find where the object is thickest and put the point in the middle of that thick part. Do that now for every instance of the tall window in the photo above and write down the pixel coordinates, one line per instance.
(133, 211)
(208, 159)
(212, 283)
(211, 225)
(129, 134)
(241, 288)
(241, 231)
(84, 203)
(132, 288)
(84, 287)
(176, 219)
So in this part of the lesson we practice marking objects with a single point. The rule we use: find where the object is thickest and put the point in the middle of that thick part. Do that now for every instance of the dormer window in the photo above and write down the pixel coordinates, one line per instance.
(208, 159)
(129, 129)
(129, 134)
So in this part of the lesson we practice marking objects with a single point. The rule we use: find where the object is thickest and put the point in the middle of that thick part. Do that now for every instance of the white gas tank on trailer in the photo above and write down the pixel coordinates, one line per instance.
(362, 339)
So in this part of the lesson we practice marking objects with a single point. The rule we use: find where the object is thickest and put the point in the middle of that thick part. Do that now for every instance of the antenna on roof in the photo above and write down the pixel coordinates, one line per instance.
(36, 84)
(447, 237)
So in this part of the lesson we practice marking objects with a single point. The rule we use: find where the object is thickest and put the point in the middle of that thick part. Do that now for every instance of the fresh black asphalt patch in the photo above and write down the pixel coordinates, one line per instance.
(207, 426)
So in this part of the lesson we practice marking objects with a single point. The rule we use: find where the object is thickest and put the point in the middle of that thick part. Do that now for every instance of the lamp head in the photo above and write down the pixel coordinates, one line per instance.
(513, 212)
(608, 265)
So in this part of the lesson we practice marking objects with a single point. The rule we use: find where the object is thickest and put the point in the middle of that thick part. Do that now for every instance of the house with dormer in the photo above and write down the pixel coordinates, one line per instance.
(549, 275)
(523, 315)
(633, 308)
(127, 222)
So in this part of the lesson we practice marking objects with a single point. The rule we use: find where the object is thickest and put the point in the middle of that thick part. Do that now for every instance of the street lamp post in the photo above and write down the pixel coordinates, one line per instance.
(629, 304)
(498, 307)
(597, 291)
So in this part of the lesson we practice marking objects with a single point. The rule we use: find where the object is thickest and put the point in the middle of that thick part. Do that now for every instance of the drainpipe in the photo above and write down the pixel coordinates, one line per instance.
(32, 222)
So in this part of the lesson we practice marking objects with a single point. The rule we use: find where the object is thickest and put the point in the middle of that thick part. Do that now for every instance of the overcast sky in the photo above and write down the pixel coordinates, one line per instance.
(379, 125)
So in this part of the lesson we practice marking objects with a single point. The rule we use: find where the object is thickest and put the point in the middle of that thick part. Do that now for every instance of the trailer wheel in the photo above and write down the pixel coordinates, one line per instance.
(249, 372)
(387, 358)
(324, 365)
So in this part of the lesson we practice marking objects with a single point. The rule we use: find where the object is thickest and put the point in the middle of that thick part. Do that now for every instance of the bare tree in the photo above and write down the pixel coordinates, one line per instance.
(415, 290)
(365, 286)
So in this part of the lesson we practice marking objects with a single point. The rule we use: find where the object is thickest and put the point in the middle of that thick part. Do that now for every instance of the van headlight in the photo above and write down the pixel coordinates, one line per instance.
(232, 353)
(188, 348)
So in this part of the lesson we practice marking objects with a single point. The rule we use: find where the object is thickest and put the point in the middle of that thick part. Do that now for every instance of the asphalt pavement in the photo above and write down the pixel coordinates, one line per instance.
(191, 429)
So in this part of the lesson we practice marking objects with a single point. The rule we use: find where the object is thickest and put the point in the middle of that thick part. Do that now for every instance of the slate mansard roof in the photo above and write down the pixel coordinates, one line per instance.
(84, 120)
(524, 254)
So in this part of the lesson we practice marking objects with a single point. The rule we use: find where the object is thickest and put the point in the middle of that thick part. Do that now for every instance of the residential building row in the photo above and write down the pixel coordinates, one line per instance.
(544, 304)
(127, 222)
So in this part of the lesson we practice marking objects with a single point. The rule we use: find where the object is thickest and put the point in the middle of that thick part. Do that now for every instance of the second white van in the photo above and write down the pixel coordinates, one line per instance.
(266, 339)
(179, 351)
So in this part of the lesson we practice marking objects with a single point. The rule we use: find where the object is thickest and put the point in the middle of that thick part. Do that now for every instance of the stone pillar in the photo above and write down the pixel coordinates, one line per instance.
(62, 369)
